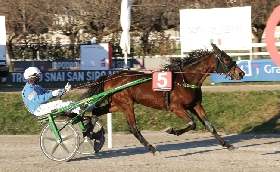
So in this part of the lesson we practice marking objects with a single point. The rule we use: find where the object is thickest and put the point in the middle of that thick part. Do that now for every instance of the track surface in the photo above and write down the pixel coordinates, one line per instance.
(189, 152)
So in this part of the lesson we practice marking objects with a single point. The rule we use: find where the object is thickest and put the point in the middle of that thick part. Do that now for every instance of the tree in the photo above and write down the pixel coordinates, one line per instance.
(23, 18)
(261, 11)
(102, 18)
(81, 20)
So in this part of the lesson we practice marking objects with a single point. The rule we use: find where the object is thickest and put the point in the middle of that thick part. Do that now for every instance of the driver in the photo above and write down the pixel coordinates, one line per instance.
(36, 98)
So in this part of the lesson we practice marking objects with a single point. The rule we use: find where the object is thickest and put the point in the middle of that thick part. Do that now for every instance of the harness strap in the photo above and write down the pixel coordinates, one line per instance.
(187, 85)
(183, 77)
(166, 95)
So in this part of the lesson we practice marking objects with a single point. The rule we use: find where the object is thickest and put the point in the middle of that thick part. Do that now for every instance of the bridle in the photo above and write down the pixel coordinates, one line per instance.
(221, 67)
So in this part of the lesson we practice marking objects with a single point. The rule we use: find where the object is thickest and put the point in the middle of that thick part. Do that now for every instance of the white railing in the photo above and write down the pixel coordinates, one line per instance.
(251, 53)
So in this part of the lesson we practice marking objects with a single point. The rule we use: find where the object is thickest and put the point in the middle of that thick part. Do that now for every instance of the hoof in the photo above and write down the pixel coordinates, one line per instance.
(168, 130)
(231, 148)
(156, 153)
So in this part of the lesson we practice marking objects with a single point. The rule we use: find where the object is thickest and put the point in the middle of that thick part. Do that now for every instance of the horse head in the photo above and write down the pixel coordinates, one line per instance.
(226, 65)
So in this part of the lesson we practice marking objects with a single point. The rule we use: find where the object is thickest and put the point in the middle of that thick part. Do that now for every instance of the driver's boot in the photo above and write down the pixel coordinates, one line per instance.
(93, 121)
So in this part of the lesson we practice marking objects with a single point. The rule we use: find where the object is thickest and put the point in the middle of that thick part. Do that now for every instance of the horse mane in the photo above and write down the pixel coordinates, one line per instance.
(191, 58)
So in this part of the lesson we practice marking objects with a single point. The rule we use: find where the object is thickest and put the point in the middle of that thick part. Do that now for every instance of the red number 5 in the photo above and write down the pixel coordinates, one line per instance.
(162, 81)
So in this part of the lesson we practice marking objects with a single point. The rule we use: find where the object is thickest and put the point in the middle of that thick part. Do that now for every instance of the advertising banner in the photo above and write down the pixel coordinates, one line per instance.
(228, 28)
(255, 70)
(71, 64)
(96, 57)
(63, 76)
(3, 36)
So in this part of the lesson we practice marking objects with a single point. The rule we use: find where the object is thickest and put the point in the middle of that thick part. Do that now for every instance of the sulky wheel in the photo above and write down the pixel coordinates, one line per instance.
(93, 140)
(59, 151)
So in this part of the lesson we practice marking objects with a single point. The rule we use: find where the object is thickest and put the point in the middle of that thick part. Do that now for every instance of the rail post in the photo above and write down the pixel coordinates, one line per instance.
(109, 129)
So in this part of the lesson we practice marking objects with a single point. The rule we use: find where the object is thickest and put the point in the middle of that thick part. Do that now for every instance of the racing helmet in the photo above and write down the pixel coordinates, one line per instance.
(32, 73)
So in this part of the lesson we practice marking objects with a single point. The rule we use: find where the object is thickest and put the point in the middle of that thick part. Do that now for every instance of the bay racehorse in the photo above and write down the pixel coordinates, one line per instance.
(188, 75)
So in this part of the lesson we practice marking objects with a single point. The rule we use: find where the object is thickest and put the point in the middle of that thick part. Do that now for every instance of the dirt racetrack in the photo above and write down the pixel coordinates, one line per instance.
(240, 88)
(197, 152)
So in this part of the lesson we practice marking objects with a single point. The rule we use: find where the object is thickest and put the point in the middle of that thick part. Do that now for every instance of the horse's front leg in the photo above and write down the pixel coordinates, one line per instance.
(126, 106)
(200, 113)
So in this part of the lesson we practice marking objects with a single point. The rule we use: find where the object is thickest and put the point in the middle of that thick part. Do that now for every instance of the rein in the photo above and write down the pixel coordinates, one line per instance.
(86, 85)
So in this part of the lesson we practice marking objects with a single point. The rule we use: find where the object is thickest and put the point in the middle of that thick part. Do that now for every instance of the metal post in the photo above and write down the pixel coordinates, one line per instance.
(251, 54)
(125, 61)
(109, 128)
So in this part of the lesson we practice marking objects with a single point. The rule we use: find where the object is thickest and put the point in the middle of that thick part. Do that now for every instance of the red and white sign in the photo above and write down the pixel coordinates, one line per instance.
(162, 81)
(96, 57)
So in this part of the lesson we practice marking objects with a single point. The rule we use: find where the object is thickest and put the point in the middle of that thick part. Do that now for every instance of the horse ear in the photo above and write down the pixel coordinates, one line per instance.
(216, 49)
(219, 52)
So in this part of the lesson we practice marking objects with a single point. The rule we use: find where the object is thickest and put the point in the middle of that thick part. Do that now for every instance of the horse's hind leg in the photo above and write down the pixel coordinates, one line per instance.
(200, 113)
(127, 108)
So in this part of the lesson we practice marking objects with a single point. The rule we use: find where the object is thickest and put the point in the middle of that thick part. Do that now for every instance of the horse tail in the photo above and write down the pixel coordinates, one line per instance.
(95, 88)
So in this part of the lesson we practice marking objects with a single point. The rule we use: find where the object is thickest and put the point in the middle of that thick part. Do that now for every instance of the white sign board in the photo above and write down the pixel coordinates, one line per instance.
(2, 37)
(228, 28)
(96, 56)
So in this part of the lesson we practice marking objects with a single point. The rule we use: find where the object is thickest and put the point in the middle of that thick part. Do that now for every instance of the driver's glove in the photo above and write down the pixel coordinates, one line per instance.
(67, 87)
(57, 93)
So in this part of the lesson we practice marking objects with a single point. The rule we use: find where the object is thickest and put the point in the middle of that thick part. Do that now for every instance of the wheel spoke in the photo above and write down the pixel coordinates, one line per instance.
(54, 148)
(68, 137)
(88, 140)
(50, 138)
(64, 147)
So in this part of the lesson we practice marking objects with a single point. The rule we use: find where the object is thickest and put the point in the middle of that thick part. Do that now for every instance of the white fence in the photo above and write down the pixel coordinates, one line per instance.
(241, 55)
(251, 53)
